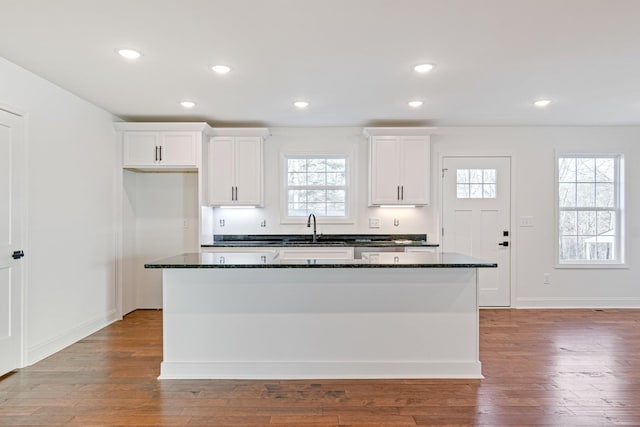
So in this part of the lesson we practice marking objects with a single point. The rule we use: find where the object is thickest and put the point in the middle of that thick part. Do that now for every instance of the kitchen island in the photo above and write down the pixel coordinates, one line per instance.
(255, 315)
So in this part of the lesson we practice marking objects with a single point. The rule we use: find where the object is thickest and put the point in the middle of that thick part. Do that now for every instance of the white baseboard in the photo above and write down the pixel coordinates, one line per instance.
(320, 370)
(585, 302)
(65, 339)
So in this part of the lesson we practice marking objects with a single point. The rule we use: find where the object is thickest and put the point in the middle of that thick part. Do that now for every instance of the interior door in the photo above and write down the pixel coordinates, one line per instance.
(11, 199)
(476, 219)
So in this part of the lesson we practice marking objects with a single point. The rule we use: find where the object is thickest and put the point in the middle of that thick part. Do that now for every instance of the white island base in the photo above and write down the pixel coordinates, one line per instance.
(308, 323)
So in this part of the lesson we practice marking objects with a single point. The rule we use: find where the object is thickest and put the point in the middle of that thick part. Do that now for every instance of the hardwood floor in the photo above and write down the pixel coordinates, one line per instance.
(542, 367)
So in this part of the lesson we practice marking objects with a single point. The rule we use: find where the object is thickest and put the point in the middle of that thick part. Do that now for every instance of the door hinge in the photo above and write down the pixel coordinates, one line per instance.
(442, 232)
(443, 171)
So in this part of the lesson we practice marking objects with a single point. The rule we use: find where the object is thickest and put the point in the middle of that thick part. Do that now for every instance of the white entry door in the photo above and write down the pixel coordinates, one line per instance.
(11, 199)
(476, 219)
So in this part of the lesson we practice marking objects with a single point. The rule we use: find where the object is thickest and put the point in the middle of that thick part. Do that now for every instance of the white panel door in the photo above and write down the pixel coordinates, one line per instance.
(11, 214)
(248, 173)
(140, 149)
(385, 170)
(476, 219)
(416, 166)
(221, 170)
(178, 149)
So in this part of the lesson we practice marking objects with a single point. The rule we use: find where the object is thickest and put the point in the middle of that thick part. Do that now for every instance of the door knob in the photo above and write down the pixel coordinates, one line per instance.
(504, 244)
(17, 254)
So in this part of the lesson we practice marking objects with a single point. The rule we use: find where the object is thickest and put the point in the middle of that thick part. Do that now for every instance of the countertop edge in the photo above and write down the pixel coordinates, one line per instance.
(311, 265)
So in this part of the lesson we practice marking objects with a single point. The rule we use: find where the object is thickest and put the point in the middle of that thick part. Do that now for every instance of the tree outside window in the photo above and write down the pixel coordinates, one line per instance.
(589, 209)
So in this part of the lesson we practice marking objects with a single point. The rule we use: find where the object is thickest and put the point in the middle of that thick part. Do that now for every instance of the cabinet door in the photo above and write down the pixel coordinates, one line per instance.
(140, 149)
(384, 170)
(178, 149)
(248, 170)
(221, 171)
(415, 170)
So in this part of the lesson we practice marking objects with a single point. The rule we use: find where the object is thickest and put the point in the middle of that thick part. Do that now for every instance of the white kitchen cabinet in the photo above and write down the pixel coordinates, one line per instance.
(337, 253)
(160, 213)
(160, 150)
(428, 249)
(235, 170)
(399, 166)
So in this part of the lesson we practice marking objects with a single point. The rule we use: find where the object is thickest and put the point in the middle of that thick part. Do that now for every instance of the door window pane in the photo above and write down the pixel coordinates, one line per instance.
(476, 183)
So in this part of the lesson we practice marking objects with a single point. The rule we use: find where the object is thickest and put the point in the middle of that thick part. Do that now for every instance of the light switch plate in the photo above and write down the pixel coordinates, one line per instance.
(374, 222)
(526, 221)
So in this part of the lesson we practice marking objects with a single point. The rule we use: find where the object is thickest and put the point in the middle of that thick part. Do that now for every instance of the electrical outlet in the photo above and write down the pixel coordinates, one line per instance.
(221, 222)
(546, 277)
(396, 222)
(374, 222)
(263, 223)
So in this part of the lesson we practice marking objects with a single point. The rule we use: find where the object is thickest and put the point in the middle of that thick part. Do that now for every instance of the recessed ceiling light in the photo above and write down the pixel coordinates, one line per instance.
(415, 104)
(188, 104)
(542, 102)
(423, 68)
(129, 53)
(221, 69)
(301, 104)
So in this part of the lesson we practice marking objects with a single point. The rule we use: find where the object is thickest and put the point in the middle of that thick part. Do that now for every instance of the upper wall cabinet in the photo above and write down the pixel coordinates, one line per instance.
(172, 146)
(399, 166)
(162, 149)
(235, 167)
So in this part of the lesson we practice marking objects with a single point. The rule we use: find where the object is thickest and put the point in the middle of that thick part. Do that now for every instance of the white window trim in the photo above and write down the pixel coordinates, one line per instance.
(622, 204)
(352, 172)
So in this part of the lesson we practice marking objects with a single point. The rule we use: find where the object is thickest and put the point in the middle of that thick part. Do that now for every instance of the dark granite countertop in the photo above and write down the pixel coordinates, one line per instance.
(374, 260)
(366, 240)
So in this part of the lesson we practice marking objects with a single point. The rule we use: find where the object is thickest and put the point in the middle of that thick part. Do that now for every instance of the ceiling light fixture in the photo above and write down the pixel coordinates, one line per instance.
(221, 69)
(188, 104)
(301, 104)
(423, 68)
(415, 104)
(542, 102)
(129, 53)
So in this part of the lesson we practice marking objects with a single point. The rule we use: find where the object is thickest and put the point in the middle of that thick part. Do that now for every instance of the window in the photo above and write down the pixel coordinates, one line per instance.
(317, 184)
(589, 209)
(476, 183)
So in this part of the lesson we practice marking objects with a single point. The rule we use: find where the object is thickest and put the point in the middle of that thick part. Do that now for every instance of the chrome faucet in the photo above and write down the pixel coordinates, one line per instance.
(315, 236)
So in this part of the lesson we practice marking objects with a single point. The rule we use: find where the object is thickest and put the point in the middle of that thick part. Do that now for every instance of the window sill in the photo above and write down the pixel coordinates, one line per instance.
(591, 266)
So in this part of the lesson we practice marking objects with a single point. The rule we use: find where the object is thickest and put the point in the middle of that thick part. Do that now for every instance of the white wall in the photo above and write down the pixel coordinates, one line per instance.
(533, 150)
(319, 140)
(71, 240)
(533, 173)
(161, 220)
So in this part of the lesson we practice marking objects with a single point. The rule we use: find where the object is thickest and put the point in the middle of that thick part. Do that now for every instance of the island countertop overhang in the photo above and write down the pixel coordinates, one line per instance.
(268, 260)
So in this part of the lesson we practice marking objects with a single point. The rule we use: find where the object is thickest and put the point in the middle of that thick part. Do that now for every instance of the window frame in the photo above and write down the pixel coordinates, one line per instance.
(350, 163)
(620, 203)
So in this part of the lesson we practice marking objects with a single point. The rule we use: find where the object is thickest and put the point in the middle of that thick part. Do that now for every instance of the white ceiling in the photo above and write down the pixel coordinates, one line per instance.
(351, 59)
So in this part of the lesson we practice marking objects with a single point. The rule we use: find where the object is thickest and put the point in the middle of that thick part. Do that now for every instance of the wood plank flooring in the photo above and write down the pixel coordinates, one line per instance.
(542, 367)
